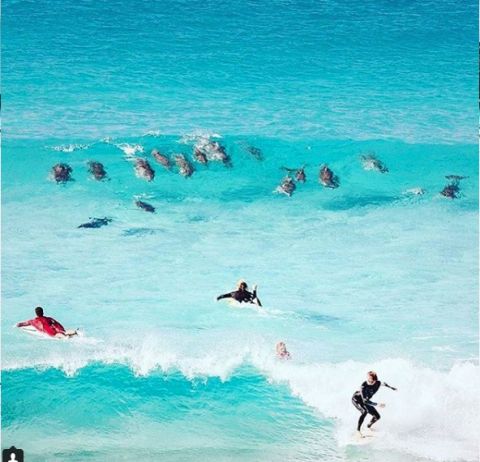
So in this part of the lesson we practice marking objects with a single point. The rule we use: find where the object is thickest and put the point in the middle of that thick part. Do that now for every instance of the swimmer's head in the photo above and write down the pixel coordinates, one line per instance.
(39, 311)
(371, 377)
(281, 348)
(242, 285)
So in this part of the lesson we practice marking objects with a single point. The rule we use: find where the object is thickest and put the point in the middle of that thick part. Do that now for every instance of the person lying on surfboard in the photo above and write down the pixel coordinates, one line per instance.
(242, 295)
(361, 400)
(46, 325)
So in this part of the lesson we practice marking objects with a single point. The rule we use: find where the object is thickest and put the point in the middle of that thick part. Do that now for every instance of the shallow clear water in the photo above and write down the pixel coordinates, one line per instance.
(356, 278)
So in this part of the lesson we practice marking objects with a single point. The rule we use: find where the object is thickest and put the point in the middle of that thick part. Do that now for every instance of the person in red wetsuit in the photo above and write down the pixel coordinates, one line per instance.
(46, 325)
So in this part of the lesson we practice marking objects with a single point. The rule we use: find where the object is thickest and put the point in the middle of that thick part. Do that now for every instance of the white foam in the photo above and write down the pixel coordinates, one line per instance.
(433, 414)
(130, 150)
(70, 147)
(153, 133)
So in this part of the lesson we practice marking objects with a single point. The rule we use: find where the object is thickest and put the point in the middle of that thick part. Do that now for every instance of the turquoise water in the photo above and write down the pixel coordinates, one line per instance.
(361, 277)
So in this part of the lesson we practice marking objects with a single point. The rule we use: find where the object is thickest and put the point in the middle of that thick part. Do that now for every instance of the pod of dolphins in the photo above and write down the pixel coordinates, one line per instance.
(206, 151)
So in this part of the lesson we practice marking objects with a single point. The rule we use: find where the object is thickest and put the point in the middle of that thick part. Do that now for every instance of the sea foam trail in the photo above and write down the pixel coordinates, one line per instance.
(434, 414)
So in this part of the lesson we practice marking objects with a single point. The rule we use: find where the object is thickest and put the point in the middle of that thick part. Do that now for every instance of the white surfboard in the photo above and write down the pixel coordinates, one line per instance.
(36, 333)
(366, 438)
(235, 304)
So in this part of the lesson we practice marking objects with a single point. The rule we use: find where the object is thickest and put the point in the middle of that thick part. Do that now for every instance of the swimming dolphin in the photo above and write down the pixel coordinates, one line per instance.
(287, 186)
(451, 191)
(97, 170)
(298, 172)
(144, 170)
(61, 173)
(455, 177)
(213, 151)
(144, 206)
(255, 152)
(327, 177)
(370, 162)
(184, 166)
(162, 159)
(200, 156)
(96, 223)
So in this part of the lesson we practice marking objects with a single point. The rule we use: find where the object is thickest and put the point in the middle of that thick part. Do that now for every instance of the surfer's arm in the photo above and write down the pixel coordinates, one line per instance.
(56, 325)
(388, 386)
(24, 323)
(255, 298)
(229, 295)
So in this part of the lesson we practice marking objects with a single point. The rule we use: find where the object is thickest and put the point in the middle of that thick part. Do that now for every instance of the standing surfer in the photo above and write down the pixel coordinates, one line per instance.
(361, 400)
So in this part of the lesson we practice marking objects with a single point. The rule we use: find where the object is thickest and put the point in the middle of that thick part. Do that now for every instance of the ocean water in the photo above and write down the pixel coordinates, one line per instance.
(365, 276)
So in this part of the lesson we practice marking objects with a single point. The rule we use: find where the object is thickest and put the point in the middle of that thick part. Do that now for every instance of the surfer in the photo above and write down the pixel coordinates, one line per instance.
(361, 400)
(46, 325)
(242, 294)
(282, 352)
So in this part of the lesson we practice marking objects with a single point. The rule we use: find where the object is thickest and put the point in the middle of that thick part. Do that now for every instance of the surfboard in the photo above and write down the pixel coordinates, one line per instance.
(36, 333)
(234, 304)
(367, 438)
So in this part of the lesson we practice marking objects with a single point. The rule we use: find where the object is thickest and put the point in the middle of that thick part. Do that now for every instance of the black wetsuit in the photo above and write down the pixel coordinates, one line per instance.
(361, 400)
(242, 296)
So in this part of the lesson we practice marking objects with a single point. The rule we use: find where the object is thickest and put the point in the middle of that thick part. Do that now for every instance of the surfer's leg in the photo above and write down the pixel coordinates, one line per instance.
(375, 416)
(361, 407)
(361, 419)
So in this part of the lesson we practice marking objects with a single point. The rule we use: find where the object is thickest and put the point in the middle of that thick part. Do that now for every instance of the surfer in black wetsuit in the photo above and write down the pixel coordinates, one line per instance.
(242, 294)
(361, 400)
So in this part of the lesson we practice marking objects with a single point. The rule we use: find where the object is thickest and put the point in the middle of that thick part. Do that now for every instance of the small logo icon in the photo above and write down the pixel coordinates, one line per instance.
(12, 455)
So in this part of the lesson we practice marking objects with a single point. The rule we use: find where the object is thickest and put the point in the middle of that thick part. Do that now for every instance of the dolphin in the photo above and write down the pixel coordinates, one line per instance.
(299, 173)
(144, 170)
(370, 162)
(144, 206)
(162, 159)
(97, 170)
(287, 186)
(96, 223)
(327, 178)
(61, 173)
(184, 166)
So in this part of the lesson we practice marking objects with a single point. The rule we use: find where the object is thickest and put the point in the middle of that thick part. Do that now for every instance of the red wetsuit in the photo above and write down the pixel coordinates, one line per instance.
(44, 324)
